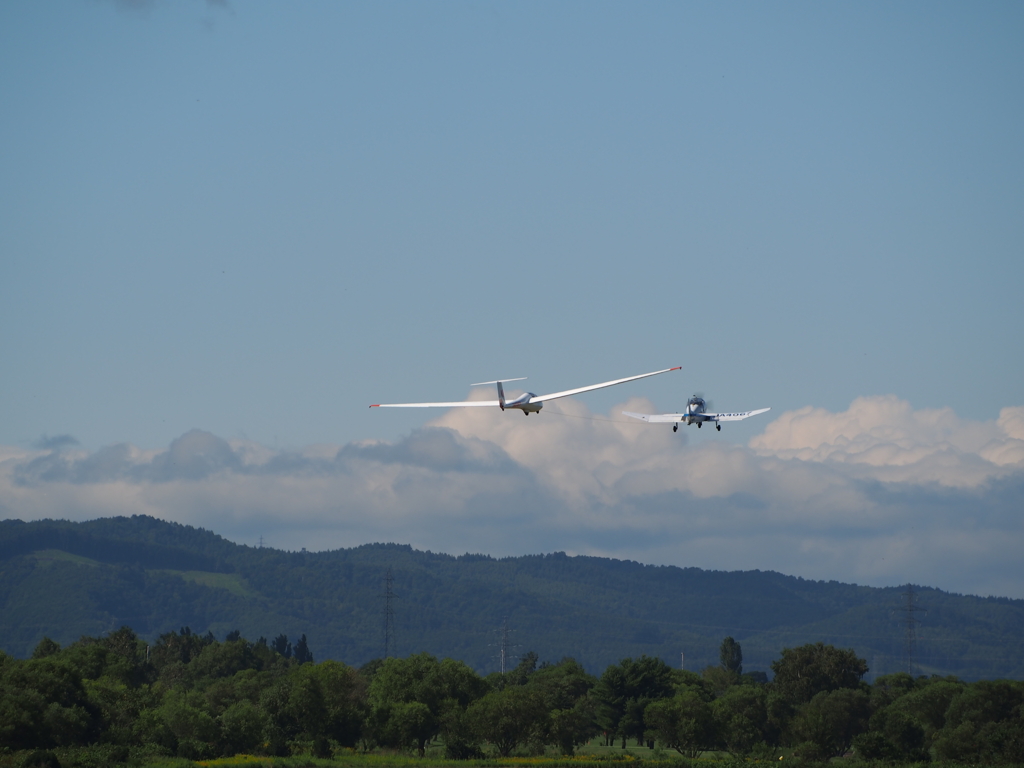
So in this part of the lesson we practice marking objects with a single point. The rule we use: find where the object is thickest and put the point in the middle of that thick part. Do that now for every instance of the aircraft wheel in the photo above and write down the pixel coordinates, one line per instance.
(698, 425)
(675, 427)
(718, 427)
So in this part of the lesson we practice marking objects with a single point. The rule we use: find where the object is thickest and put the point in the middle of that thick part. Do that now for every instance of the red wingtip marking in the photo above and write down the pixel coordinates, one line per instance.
(375, 405)
(677, 368)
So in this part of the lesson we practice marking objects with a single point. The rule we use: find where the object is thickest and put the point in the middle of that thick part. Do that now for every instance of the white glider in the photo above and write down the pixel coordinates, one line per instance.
(527, 403)
(696, 413)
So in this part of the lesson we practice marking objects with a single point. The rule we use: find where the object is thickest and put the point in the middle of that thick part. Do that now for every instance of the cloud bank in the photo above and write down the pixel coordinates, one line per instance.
(879, 494)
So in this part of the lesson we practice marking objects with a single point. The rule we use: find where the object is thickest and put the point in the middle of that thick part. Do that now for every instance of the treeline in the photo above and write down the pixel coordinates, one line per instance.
(114, 699)
(64, 580)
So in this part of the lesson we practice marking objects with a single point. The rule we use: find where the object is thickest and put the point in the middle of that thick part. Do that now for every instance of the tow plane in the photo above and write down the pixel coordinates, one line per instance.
(696, 413)
(527, 402)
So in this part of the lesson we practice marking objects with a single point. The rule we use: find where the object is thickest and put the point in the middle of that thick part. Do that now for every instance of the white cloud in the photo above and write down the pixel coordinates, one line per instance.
(899, 443)
(878, 494)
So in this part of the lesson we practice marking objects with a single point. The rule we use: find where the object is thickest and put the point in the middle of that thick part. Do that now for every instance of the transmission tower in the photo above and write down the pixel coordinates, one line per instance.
(504, 646)
(908, 608)
(389, 614)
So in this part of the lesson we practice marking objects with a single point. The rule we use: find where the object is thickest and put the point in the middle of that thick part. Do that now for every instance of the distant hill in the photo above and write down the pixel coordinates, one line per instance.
(63, 580)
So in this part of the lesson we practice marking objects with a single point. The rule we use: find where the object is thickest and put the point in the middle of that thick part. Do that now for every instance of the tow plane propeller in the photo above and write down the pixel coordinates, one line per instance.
(527, 402)
(696, 413)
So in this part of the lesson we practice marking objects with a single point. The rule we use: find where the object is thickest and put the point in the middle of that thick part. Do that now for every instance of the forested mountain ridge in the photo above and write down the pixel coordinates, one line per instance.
(64, 580)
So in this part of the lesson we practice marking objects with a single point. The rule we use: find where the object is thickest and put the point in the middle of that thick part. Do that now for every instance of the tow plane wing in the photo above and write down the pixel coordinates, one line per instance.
(735, 416)
(694, 414)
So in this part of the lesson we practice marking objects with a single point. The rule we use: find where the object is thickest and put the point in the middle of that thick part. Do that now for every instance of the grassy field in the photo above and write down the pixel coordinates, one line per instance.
(47, 557)
(231, 582)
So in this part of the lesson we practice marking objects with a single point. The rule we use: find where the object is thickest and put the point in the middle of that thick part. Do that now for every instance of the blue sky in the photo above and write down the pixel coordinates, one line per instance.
(256, 219)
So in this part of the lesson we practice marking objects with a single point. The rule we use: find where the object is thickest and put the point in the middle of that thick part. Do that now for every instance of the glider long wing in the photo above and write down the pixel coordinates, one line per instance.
(568, 392)
(539, 399)
(462, 404)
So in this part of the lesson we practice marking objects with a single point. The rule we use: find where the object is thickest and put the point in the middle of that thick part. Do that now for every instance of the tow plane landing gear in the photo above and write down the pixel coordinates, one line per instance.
(718, 427)
(675, 427)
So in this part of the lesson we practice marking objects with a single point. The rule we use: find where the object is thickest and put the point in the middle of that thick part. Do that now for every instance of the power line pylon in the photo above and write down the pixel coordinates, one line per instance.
(389, 614)
(908, 608)
(504, 646)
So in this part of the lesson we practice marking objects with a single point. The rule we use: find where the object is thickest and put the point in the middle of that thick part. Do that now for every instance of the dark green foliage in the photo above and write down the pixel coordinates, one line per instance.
(826, 726)
(802, 673)
(100, 702)
(929, 702)
(573, 726)
(684, 723)
(440, 691)
(302, 652)
(984, 723)
(40, 758)
(565, 692)
(509, 718)
(45, 648)
(730, 656)
(94, 698)
(282, 646)
(893, 736)
(43, 704)
(743, 723)
(63, 580)
(562, 684)
(521, 674)
(624, 691)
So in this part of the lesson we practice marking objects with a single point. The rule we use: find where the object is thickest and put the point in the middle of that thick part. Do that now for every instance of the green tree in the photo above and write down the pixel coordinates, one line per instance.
(43, 704)
(187, 717)
(624, 686)
(685, 723)
(928, 705)
(242, 726)
(743, 723)
(439, 686)
(509, 717)
(804, 672)
(120, 707)
(46, 647)
(573, 727)
(282, 646)
(719, 680)
(220, 660)
(410, 723)
(892, 736)
(461, 738)
(730, 656)
(176, 647)
(565, 689)
(301, 652)
(341, 697)
(520, 675)
(887, 688)
(825, 726)
(562, 684)
(984, 723)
